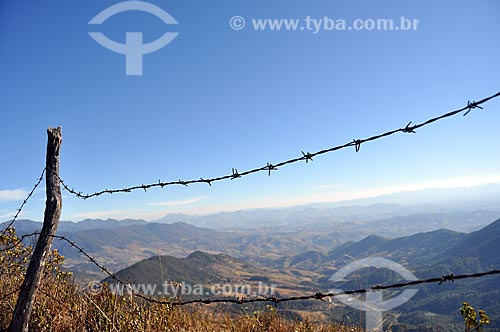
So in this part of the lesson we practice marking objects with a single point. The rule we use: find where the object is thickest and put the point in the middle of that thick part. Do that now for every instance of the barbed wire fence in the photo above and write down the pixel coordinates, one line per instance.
(306, 156)
(269, 167)
(274, 299)
(20, 209)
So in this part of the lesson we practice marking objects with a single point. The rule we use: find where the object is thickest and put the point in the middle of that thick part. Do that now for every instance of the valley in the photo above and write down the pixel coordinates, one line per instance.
(298, 257)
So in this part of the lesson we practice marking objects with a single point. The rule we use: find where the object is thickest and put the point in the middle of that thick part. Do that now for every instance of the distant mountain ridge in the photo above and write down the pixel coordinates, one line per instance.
(390, 219)
(418, 251)
(483, 244)
(426, 254)
(28, 226)
(300, 258)
(118, 243)
(414, 249)
(295, 216)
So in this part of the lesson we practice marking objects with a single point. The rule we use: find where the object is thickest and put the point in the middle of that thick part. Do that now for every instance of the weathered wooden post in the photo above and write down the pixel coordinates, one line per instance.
(53, 207)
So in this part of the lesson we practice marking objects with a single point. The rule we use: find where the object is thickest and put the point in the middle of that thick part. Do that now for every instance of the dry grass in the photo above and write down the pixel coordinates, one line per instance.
(62, 306)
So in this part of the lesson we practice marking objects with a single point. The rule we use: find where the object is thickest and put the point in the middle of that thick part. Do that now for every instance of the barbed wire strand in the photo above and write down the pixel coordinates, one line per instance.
(18, 212)
(18, 241)
(321, 296)
(269, 167)
(316, 296)
(306, 156)
(78, 248)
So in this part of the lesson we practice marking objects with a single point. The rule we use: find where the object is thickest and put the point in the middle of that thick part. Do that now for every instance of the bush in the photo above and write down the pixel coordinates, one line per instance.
(61, 305)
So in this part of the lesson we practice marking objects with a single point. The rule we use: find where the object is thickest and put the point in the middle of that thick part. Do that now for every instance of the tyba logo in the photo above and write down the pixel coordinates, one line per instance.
(374, 304)
(133, 48)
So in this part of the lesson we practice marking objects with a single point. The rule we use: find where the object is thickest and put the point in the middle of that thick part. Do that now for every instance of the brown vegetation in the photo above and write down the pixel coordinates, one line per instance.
(61, 305)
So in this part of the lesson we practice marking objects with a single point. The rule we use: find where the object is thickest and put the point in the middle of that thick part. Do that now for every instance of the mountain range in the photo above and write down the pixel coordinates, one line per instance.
(118, 243)
(298, 249)
(426, 254)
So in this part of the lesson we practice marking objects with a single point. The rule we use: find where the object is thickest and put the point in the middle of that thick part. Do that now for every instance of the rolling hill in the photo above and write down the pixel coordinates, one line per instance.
(425, 254)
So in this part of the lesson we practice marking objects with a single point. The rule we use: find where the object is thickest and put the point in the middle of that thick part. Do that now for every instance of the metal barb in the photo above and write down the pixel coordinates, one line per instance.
(471, 106)
(235, 174)
(305, 156)
(270, 168)
(409, 129)
(449, 277)
(209, 182)
(357, 144)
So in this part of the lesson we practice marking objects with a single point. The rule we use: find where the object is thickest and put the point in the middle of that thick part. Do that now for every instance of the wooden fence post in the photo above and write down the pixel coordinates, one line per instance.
(53, 205)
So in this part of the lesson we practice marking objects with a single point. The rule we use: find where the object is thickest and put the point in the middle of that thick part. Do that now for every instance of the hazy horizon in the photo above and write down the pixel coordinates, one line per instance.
(481, 196)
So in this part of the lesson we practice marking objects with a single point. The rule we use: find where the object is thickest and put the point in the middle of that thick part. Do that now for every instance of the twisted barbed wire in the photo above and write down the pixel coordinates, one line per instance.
(316, 296)
(321, 296)
(77, 247)
(18, 241)
(306, 156)
(273, 299)
(24, 203)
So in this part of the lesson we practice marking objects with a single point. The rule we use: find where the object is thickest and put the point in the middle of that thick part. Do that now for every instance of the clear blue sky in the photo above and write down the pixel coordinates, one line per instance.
(216, 98)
